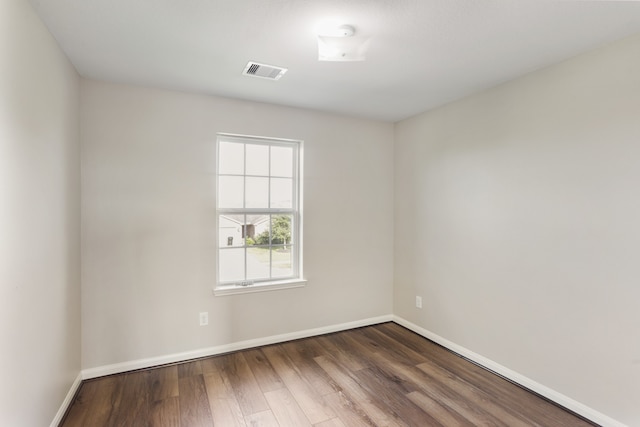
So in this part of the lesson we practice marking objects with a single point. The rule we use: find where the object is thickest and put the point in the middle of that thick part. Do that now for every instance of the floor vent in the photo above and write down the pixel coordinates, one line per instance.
(263, 71)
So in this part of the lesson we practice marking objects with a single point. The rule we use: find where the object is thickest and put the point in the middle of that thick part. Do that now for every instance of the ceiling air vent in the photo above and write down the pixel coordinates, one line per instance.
(264, 71)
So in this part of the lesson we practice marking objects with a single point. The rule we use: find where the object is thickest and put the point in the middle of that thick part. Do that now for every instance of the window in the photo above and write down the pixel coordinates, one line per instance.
(258, 214)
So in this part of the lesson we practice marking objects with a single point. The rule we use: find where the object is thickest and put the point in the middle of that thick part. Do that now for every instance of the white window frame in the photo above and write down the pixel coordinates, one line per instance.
(296, 280)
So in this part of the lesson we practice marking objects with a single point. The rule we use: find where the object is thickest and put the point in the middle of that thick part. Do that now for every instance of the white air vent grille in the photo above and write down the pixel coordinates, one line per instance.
(264, 71)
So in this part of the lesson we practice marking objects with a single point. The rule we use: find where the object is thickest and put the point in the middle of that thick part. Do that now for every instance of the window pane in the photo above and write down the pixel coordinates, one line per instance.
(230, 191)
(258, 229)
(281, 261)
(231, 159)
(231, 230)
(281, 230)
(231, 266)
(257, 160)
(281, 192)
(258, 263)
(282, 161)
(257, 192)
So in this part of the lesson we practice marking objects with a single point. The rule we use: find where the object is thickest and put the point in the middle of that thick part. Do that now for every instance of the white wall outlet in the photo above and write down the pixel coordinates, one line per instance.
(204, 318)
(419, 302)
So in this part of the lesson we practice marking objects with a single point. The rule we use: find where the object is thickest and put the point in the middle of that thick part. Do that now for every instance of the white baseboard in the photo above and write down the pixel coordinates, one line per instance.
(528, 383)
(117, 368)
(67, 401)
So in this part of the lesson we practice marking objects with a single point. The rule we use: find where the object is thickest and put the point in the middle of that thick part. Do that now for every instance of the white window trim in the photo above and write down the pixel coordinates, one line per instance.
(259, 287)
(277, 284)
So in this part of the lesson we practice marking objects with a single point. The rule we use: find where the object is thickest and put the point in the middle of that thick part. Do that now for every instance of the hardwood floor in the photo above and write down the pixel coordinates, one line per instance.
(381, 375)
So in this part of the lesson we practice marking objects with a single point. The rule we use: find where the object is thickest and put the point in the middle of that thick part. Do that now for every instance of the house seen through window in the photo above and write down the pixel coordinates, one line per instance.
(258, 198)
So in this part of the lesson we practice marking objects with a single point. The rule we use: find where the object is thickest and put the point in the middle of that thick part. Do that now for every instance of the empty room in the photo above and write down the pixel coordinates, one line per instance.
(319, 213)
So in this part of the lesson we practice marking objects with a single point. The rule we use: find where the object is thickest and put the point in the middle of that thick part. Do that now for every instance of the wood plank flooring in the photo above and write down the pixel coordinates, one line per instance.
(381, 375)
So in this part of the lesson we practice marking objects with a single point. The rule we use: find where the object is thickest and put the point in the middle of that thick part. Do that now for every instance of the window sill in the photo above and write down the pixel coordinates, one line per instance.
(259, 287)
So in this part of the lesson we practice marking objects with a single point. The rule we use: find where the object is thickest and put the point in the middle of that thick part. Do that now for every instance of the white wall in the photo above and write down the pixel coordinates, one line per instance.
(39, 220)
(518, 221)
(148, 222)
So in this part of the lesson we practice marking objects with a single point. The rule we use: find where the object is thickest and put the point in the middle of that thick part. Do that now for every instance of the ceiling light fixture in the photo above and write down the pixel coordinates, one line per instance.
(340, 44)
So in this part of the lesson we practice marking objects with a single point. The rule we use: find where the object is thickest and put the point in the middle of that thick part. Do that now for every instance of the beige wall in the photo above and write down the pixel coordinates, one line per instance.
(39, 220)
(148, 223)
(518, 221)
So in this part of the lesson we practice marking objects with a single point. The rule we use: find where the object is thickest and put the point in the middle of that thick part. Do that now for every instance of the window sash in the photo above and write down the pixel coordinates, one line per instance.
(293, 247)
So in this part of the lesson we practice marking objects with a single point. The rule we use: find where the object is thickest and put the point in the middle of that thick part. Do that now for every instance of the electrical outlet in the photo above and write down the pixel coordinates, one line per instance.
(419, 302)
(204, 318)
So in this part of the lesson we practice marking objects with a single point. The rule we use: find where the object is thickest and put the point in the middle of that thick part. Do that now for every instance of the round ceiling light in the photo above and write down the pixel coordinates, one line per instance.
(337, 31)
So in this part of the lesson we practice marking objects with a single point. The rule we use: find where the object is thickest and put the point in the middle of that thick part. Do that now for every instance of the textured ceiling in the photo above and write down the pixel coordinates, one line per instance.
(422, 53)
